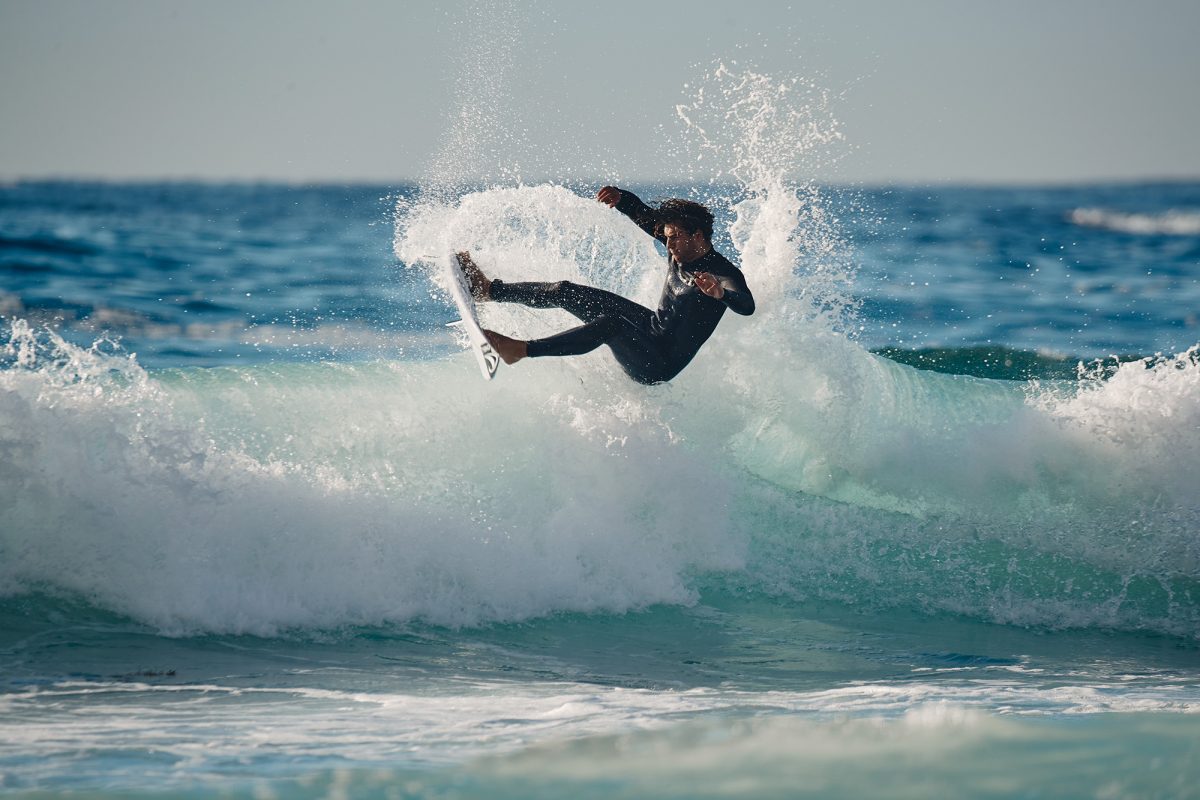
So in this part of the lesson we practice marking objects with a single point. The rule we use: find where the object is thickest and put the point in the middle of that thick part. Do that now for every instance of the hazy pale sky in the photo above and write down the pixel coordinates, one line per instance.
(285, 89)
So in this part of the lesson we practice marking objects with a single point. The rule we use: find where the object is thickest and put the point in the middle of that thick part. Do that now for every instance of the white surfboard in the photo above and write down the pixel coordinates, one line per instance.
(489, 360)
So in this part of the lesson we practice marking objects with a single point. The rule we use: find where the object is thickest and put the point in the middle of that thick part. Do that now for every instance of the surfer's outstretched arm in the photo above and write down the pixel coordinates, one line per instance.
(632, 206)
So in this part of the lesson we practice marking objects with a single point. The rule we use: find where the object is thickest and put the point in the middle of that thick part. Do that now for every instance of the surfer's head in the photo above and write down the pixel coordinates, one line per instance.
(686, 227)
(686, 215)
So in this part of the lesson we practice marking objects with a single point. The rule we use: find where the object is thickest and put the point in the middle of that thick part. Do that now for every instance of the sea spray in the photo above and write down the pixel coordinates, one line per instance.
(480, 128)
(763, 137)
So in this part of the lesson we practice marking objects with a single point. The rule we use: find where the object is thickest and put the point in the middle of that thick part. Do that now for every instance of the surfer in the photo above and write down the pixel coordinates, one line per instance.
(651, 346)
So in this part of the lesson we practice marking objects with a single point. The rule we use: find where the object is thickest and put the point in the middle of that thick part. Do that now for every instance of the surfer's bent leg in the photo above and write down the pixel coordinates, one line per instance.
(576, 341)
(634, 348)
(610, 319)
(585, 302)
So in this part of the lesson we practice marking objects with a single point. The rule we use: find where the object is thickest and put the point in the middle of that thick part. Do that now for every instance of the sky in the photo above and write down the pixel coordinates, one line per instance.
(923, 92)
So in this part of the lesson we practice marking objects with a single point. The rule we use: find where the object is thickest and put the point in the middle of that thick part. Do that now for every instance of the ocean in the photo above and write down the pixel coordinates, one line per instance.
(923, 526)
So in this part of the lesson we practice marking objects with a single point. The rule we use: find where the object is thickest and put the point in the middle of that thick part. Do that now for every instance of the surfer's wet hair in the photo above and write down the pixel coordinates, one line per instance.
(684, 214)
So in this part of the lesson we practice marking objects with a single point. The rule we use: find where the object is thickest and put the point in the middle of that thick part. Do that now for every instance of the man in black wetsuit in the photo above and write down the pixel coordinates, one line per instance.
(651, 346)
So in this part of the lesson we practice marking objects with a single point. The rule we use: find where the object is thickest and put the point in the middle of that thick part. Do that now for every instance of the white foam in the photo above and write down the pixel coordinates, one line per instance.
(513, 721)
(250, 500)
(1142, 417)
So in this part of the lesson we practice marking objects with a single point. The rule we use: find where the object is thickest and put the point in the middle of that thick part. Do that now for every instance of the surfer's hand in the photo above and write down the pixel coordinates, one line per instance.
(610, 196)
(706, 283)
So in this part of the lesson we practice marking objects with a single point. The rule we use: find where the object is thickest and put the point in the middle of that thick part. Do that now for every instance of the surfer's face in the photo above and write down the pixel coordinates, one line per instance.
(684, 246)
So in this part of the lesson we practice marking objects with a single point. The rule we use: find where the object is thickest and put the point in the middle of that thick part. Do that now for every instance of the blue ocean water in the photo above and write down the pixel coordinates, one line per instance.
(924, 525)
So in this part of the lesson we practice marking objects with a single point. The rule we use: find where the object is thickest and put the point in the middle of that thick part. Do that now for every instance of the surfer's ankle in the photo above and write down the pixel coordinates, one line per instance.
(510, 350)
(480, 284)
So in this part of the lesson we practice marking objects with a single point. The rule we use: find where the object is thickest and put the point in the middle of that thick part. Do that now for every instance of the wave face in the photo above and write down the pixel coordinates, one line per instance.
(787, 462)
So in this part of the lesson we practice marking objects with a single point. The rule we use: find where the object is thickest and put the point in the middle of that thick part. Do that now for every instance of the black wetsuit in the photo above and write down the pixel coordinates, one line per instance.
(651, 346)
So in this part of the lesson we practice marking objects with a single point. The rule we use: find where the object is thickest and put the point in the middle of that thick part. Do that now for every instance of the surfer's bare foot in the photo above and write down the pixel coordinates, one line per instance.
(481, 287)
(510, 350)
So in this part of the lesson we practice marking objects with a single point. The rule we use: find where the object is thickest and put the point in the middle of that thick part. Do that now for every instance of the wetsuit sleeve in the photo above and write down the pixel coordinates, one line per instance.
(642, 215)
(737, 294)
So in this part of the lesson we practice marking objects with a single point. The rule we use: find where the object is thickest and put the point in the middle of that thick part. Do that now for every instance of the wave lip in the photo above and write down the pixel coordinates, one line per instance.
(1175, 222)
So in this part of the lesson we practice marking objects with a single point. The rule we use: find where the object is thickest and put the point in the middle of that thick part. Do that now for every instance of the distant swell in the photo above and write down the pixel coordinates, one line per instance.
(1168, 223)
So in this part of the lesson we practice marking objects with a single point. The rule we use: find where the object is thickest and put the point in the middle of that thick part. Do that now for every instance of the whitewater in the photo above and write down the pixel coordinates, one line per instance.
(283, 541)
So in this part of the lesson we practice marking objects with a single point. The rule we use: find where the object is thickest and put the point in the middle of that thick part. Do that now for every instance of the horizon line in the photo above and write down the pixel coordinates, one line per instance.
(411, 183)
